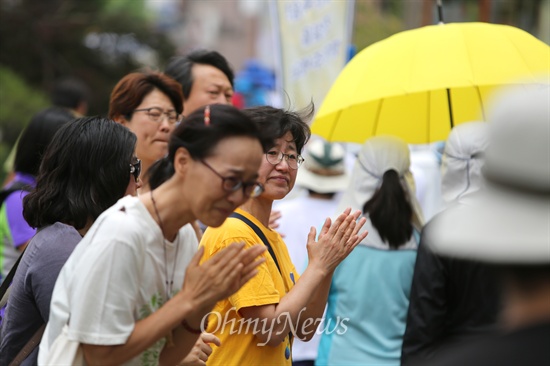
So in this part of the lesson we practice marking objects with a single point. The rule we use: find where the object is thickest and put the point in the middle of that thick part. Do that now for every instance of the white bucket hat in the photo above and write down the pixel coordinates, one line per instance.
(508, 221)
(324, 169)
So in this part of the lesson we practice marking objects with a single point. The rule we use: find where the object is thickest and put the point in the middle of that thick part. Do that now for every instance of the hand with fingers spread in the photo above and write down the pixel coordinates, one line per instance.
(201, 350)
(336, 240)
(221, 275)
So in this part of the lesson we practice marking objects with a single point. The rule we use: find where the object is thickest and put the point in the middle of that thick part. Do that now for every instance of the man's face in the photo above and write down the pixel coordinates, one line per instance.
(210, 86)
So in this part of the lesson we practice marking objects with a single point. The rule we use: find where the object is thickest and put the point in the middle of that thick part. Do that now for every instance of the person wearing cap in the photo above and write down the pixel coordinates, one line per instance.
(506, 224)
(324, 175)
(370, 289)
(451, 299)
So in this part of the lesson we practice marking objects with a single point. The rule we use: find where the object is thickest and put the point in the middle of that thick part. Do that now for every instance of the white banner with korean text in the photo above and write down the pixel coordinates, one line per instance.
(314, 39)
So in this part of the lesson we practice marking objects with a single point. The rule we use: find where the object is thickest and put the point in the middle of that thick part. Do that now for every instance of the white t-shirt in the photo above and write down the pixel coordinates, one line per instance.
(115, 277)
(298, 216)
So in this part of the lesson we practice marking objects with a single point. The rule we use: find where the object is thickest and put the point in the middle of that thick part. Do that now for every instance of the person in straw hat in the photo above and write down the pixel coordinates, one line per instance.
(507, 224)
(324, 176)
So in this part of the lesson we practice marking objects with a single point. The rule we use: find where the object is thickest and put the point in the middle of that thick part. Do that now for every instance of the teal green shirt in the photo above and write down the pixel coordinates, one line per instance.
(367, 308)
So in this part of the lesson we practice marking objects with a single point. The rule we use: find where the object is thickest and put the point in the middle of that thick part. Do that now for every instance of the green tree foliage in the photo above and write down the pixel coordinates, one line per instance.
(18, 103)
(98, 41)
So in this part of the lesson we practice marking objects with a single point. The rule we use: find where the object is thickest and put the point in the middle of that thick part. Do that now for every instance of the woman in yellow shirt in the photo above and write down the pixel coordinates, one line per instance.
(257, 323)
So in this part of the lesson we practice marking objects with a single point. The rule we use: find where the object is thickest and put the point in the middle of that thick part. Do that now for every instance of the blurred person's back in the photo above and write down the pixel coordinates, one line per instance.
(370, 290)
(451, 299)
(15, 232)
(505, 225)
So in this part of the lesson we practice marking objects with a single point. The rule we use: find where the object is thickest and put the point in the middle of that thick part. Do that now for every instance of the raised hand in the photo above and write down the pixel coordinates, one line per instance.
(221, 275)
(336, 240)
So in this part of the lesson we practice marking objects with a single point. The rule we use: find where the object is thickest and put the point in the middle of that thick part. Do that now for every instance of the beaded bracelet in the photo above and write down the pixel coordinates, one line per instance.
(190, 329)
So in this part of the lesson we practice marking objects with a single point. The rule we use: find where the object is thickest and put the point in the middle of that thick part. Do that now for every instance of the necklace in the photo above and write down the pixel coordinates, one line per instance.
(168, 284)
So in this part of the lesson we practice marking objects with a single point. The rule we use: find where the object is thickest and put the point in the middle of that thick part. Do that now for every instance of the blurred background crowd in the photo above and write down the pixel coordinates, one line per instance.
(428, 92)
(97, 42)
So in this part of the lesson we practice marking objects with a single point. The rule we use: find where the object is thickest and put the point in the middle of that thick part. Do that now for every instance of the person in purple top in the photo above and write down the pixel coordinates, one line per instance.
(15, 233)
(88, 166)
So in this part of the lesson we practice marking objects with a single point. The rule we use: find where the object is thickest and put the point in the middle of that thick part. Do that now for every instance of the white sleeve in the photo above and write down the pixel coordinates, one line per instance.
(104, 292)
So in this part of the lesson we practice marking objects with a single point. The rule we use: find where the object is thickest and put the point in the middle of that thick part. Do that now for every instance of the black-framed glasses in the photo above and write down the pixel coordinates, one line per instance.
(135, 169)
(231, 184)
(155, 115)
(274, 157)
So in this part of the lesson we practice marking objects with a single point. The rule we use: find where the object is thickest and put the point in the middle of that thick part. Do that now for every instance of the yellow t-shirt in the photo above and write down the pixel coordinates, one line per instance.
(239, 346)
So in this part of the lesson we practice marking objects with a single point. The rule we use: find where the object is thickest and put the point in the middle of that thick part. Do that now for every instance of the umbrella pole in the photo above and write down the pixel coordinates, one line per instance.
(450, 108)
(440, 11)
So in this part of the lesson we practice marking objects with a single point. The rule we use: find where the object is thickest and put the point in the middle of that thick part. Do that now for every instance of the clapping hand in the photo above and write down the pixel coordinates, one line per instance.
(336, 240)
(222, 275)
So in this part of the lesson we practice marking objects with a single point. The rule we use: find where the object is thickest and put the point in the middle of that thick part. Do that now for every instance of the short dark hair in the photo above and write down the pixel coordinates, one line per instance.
(200, 139)
(129, 92)
(276, 122)
(390, 211)
(180, 68)
(85, 170)
(36, 138)
(70, 93)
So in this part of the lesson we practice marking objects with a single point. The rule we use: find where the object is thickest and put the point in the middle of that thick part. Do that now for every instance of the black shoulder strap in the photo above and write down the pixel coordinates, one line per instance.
(7, 281)
(266, 243)
(4, 193)
(260, 234)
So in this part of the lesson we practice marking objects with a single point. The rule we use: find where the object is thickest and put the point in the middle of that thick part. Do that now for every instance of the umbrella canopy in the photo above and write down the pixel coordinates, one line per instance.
(418, 84)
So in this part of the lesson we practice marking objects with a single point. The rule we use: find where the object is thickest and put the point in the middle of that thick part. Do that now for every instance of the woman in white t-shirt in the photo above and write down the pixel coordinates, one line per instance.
(132, 293)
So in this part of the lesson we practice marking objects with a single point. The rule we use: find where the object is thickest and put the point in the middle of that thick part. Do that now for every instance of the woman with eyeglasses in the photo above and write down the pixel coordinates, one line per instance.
(257, 323)
(88, 166)
(133, 292)
(150, 104)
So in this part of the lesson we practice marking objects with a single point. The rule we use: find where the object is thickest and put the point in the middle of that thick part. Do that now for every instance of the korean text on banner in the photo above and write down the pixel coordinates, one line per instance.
(314, 40)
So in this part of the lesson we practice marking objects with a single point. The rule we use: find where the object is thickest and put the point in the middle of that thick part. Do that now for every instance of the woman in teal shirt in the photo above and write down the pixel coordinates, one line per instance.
(369, 294)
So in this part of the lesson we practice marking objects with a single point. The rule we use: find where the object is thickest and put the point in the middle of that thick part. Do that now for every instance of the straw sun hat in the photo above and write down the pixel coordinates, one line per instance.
(324, 169)
(508, 222)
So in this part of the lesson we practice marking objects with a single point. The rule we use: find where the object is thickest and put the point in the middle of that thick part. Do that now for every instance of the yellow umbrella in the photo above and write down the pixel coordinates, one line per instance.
(418, 84)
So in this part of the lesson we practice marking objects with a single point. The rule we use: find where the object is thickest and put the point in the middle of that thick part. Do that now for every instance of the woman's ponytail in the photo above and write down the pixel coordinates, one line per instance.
(390, 211)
